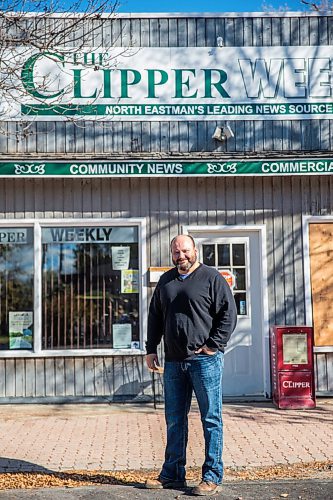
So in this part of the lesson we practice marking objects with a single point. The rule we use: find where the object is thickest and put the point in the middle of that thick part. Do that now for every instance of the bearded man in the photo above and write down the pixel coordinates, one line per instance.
(194, 311)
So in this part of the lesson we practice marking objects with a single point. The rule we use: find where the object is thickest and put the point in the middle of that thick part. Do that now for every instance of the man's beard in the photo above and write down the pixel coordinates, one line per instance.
(185, 265)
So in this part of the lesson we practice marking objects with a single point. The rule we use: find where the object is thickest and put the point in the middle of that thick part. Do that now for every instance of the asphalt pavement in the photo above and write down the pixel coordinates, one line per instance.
(244, 490)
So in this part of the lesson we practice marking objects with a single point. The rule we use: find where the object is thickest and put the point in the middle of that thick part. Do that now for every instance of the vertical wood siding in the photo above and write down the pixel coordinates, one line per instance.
(170, 203)
(109, 379)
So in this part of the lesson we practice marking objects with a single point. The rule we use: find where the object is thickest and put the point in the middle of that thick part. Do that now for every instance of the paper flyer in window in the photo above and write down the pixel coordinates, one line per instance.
(122, 336)
(120, 258)
(130, 281)
(20, 330)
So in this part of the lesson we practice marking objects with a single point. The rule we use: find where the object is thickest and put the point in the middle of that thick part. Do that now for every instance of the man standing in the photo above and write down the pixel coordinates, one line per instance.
(195, 312)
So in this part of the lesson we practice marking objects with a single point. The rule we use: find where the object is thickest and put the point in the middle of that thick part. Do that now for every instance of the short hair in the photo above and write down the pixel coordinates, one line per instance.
(177, 236)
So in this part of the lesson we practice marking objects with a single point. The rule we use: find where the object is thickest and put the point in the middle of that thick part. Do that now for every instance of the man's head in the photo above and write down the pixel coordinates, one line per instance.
(184, 253)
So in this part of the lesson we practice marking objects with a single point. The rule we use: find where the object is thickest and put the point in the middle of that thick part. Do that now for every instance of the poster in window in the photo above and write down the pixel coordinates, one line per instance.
(120, 258)
(20, 330)
(130, 281)
(122, 336)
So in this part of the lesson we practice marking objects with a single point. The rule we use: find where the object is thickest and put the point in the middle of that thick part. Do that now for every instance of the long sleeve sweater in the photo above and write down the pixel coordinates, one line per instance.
(190, 313)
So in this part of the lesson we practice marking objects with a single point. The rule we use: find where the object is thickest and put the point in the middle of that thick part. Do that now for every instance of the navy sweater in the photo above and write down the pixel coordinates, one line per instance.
(190, 313)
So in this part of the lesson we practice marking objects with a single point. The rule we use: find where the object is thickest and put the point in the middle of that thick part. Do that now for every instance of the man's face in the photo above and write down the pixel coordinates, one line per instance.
(184, 255)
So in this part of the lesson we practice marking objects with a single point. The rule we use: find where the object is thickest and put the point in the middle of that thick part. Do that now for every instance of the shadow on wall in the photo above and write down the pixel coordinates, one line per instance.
(170, 137)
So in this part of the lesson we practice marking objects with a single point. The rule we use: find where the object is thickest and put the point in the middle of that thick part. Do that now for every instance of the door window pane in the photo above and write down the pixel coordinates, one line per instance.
(90, 288)
(16, 288)
(208, 255)
(240, 283)
(223, 255)
(231, 257)
(241, 303)
(238, 254)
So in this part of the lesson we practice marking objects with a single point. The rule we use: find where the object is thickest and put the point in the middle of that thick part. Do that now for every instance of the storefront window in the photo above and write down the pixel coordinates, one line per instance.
(16, 288)
(90, 287)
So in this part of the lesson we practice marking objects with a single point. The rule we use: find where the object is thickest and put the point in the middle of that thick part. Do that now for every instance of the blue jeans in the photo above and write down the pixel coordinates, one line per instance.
(203, 375)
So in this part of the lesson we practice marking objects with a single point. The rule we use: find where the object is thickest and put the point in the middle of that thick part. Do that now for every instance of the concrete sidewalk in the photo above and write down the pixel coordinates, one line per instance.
(119, 437)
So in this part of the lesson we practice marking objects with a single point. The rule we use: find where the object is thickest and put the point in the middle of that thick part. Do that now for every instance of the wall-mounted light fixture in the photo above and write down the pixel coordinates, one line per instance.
(219, 41)
(223, 133)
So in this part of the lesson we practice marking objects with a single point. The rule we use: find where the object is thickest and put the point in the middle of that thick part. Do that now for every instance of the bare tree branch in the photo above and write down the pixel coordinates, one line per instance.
(29, 27)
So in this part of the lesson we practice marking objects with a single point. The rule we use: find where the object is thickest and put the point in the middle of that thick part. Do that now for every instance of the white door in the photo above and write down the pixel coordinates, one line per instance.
(239, 252)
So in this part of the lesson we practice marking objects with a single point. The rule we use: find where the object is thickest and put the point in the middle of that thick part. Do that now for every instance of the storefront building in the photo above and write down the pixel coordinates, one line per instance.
(219, 126)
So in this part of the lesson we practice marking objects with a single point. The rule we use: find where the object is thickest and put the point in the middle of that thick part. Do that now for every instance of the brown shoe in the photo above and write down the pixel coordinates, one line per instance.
(205, 488)
(160, 483)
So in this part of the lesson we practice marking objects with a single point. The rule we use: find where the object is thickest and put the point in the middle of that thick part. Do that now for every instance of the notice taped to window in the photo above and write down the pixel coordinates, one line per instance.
(120, 258)
(122, 336)
(130, 281)
(20, 330)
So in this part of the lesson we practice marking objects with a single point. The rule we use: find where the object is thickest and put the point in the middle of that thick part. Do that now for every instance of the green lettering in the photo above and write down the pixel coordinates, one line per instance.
(152, 83)
(126, 82)
(218, 85)
(77, 86)
(27, 74)
(86, 57)
(180, 83)
(107, 83)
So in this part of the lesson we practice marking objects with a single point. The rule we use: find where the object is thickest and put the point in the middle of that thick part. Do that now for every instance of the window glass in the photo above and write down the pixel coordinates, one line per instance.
(208, 255)
(16, 288)
(223, 255)
(230, 257)
(90, 288)
(238, 254)
(241, 303)
(240, 283)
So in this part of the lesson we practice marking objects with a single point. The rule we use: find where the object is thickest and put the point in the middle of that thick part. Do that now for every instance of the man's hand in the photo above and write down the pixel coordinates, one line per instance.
(205, 350)
(152, 362)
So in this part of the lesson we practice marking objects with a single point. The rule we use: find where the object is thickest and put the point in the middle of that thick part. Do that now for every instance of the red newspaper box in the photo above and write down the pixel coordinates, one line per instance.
(292, 367)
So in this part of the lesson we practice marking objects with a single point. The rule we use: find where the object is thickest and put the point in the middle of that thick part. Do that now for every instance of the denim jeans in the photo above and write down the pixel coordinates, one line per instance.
(203, 375)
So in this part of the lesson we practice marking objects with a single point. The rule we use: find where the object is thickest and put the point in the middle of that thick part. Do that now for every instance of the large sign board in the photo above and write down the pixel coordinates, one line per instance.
(176, 83)
(134, 168)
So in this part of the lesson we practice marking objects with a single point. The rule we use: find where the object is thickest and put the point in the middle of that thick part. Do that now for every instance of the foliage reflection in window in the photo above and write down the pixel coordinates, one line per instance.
(90, 288)
(16, 288)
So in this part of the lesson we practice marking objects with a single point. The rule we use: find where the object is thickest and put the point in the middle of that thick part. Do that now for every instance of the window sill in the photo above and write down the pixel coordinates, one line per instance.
(72, 353)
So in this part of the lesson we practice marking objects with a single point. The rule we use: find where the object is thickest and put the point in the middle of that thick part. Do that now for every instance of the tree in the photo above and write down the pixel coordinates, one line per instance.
(322, 6)
(52, 29)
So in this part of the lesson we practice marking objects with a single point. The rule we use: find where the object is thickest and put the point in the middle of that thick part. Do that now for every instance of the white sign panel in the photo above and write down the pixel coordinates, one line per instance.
(122, 336)
(177, 83)
(120, 258)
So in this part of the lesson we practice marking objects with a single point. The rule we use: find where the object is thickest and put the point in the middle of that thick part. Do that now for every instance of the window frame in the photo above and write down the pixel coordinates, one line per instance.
(37, 225)
(230, 241)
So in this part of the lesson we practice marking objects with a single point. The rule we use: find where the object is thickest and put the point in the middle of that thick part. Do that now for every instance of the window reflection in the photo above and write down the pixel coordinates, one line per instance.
(90, 288)
(223, 255)
(16, 288)
(208, 255)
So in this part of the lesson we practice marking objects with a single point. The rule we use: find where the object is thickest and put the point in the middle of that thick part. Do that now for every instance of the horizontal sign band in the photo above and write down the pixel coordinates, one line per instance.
(206, 111)
(311, 166)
